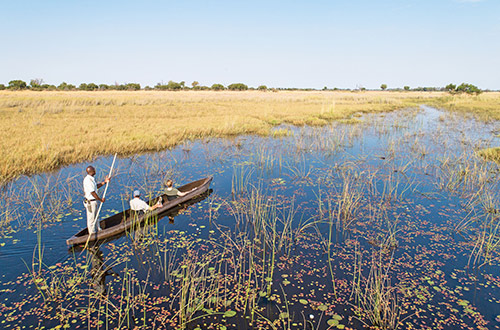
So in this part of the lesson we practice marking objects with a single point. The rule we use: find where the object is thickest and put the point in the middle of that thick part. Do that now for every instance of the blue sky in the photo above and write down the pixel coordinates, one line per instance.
(341, 44)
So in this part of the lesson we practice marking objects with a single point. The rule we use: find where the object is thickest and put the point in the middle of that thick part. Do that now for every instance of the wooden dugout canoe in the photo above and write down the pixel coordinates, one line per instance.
(120, 222)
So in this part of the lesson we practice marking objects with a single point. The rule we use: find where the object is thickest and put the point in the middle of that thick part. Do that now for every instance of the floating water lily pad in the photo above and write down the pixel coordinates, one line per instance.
(303, 301)
(229, 313)
(332, 322)
(322, 308)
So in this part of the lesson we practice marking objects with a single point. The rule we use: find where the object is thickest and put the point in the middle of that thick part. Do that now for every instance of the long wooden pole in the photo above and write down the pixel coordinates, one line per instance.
(100, 206)
(105, 189)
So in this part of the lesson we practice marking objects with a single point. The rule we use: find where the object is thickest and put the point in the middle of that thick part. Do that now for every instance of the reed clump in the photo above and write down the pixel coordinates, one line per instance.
(491, 154)
(45, 130)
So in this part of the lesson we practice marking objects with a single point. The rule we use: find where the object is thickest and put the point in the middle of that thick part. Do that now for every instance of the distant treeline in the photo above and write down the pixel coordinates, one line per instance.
(39, 85)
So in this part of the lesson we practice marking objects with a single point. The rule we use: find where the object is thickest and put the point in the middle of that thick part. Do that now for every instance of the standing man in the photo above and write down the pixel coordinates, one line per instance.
(90, 188)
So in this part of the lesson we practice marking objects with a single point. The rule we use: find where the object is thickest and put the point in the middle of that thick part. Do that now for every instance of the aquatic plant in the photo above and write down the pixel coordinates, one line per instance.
(375, 296)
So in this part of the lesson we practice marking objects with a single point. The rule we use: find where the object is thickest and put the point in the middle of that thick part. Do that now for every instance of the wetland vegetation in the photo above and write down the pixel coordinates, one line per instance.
(45, 130)
(328, 211)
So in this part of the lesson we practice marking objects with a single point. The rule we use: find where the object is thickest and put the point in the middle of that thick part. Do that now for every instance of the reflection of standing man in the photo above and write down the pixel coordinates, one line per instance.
(97, 269)
(90, 188)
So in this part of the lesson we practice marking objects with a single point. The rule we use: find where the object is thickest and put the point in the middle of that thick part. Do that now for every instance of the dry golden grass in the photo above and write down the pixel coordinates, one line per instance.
(44, 130)
(485, 106)
(491, 154)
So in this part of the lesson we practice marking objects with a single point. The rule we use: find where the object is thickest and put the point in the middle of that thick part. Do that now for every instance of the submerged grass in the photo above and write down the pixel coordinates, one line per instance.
(43, 131)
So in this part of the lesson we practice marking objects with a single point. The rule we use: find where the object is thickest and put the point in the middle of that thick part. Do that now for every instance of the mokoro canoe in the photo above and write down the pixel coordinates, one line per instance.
(170, 214)
(123, 221)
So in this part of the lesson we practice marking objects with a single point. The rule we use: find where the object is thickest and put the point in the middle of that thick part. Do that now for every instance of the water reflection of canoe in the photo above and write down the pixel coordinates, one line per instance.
(123, 221)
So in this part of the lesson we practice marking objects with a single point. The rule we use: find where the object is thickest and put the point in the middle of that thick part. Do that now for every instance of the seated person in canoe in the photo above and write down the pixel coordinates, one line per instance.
(138, 205)
(173, 193)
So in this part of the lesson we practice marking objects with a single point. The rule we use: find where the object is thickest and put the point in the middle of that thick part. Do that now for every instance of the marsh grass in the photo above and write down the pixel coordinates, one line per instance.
(485, 106)
(375, 296)
(491, 154)
(54, 125)
(47, 198)
(9, 209)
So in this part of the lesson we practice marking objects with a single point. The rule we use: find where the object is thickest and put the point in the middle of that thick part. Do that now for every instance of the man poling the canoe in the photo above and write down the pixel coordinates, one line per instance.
(91, 197)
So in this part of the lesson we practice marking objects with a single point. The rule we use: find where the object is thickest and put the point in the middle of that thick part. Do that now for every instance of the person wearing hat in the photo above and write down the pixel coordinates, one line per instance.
(138, 205)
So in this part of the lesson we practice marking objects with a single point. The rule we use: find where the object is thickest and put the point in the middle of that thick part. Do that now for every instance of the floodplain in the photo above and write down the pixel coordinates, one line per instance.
(43, 131)
(385, 219)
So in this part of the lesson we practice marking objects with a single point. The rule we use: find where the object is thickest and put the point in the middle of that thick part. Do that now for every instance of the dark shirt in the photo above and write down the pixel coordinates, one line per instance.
(171, 193)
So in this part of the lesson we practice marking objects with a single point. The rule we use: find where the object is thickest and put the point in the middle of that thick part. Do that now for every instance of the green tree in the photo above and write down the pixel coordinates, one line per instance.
(383, 87)
(48, 87)
(450, 88)
(2, 87)
(88, 87)
(173, 86)
(133, 86)
(103, 87)
(217, 87)
(406, 88)
(17, 84)
(195, 84)
(262, 88)
(65, 86)
(36, 83)
(237, 87)
(468, 88)
(92, 87)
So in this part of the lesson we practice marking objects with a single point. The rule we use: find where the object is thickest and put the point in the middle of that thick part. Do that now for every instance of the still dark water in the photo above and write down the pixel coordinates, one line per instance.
(393, 222)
